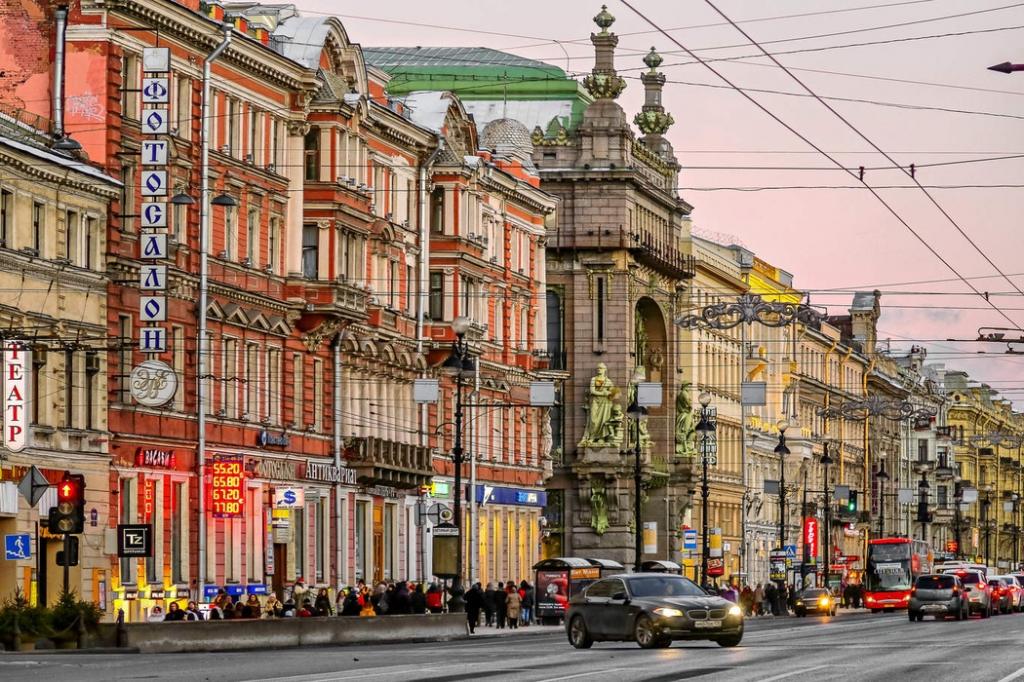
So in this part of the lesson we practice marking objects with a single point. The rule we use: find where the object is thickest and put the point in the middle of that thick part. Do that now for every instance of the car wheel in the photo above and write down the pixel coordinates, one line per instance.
(912, 616)
(663, 642)
(987, 612)
(578, 635)
(960, 614)
(643, 632)
(730, 641)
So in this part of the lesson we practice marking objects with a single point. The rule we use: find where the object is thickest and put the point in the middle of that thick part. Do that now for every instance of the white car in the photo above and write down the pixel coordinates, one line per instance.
(1016, 591)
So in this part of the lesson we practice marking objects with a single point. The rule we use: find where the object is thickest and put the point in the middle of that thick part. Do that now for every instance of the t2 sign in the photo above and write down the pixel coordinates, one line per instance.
(135, 540)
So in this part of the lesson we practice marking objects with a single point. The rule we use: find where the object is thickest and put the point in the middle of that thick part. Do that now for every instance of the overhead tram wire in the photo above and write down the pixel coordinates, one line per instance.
(810, 143)
(871, 142)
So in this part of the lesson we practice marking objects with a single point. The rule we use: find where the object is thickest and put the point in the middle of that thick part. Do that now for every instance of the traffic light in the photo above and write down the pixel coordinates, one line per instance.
(69, 555)
(851, 503)
(68, 517)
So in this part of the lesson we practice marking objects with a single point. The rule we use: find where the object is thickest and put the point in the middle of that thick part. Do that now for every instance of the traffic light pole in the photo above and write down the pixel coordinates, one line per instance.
(67, 568)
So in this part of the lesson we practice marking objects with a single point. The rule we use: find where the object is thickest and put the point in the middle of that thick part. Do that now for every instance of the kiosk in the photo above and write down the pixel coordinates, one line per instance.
(607, 566)
(658, 566)
(556, 581)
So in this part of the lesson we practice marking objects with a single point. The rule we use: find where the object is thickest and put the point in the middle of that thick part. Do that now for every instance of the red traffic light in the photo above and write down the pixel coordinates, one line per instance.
(71, 489)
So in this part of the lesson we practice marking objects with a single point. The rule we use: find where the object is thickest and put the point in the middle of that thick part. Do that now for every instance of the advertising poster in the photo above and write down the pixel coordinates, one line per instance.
(552, 592)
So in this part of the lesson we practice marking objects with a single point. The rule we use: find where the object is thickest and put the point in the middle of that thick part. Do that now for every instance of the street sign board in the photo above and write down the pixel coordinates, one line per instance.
(690, 538)
(446, 530)
(17, 546)
(790, 551)
(33, 485)
(135, 540)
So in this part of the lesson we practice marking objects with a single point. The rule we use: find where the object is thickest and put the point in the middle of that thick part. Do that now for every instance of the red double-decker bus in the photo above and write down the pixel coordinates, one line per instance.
(893, 565)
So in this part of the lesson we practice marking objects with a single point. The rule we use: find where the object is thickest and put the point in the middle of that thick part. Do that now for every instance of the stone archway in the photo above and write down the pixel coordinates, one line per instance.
(650, 339)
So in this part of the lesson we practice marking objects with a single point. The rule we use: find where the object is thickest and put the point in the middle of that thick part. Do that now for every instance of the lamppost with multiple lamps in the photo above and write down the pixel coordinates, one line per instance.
(645, 394)
(459, 364)
(782, 450)
(705, 427)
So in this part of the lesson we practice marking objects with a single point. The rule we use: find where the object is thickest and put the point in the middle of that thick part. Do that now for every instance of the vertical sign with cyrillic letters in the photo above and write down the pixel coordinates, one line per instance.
(156, 65)
(17, 363)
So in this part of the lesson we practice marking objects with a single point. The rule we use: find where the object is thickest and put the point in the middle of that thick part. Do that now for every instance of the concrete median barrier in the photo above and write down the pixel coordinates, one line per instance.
(235, 635)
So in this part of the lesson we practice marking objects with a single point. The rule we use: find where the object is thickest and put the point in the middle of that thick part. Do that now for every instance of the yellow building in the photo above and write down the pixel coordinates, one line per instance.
(53, 282)
(987, 435)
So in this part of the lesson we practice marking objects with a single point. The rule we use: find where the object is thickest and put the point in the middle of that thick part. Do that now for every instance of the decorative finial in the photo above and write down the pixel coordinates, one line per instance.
(604, 19)
(653, 59)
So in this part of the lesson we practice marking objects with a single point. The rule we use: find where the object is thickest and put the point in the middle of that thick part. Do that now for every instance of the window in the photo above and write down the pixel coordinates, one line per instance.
(179, 530)
(599, 321)
(178, 362)
(252, 237)
(253, 146)
(231, 231)
(298, 386)
(179, 220)
(273, 240)
(128, 198)
(410, 289)
(252, 381)
(91, 236)
(436, 312)
(230, 376)
(318, 395)
(71, 226)
(322, 522)
(392, 284)
(299, 518)
(273, 398)
(274, 127)
(69, 389)
(311, 147)
(310, 252)
(38, 226)
(92, 369)
(942, 499)
(183, 106)
(922, 449)
(130, 85)
(233, 132)
(37, 388)
(124, 360)
(6, 217)
(437, 210)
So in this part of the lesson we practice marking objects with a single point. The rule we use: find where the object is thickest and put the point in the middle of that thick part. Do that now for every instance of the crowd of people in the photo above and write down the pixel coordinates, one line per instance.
(504, 605)
(772, 599)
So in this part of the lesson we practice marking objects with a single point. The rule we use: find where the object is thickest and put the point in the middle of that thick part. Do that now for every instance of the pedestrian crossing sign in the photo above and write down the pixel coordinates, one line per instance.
(17, 547)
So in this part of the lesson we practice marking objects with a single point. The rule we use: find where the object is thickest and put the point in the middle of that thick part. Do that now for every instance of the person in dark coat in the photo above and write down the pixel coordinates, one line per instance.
(489, 605)
(418, 600)
(770, 594)
(351, 607)
(526, 593)
(322, 605)
(500, 598)
(474, 602)
(400, 603)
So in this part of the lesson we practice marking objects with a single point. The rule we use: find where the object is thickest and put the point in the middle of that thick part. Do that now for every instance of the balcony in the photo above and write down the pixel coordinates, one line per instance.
(337, 299)
(384, 462)
(943, 470)
(663, 257)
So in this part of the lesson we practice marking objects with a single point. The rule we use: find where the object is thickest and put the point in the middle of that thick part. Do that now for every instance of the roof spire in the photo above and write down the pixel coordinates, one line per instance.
(653, 119)
(603, 82)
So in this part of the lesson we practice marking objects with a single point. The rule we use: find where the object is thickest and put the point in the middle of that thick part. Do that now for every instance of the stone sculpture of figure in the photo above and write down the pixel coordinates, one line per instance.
(598, 506)
(546, 437)
(599, 429)
(685, 428)
(639, 376)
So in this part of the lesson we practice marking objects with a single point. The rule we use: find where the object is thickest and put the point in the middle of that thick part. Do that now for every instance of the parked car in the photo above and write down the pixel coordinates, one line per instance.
(815, 600)
(1016, 591)
(652, 609)
(979, 594)
(940, 595)
(1000, 595)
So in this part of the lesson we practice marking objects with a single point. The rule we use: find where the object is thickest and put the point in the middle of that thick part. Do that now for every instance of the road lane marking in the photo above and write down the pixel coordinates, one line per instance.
(590, 672)
(1013, 676)
(792, 673)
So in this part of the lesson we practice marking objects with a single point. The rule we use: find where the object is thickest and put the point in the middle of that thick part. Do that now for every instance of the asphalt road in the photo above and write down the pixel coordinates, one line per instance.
(850, 647)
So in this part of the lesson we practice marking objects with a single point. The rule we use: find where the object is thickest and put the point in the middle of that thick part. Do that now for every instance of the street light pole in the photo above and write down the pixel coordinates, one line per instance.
(458, 365)
(882, 476)
(781, 450)
(705, 427)
(826, 537)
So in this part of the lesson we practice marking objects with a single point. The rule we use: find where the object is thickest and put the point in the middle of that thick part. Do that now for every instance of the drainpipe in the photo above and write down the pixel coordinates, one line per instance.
(338, 555)
(61, 16)
(204, 351)
(474, 542)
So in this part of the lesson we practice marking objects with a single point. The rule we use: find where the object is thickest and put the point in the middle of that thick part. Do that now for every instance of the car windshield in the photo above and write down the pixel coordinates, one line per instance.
(664, 586)
(969, 578)
(812, 594)
(936, 582)
(996, 583)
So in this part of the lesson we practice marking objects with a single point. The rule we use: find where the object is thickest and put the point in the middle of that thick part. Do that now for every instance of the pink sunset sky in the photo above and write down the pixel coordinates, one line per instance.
(833, 240)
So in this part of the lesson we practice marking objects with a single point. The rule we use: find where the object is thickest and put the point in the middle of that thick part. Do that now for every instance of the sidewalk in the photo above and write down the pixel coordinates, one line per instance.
(484, 632)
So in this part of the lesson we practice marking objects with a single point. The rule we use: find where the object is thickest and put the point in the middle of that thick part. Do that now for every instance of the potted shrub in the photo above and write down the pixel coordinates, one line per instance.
(33, 622)
(65, 616)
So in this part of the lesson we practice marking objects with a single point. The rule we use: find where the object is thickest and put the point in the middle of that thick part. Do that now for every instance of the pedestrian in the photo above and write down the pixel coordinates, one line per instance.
(434, 598)
(230, 612)
(350, 607)
(380, 599)
(747, 601)
(771, 603)
(307, 610)
(174, 613)
(156, 615)
(339, 601)
(273, 607)
(759, 600)
(253, 604)
(322, 605)
(288, 609)
(192, 612)
(858, 595)
(367, 610)
(526, 593)
(500, 600)
(299, 590)
(474, 602)
(489, 605)
(512, 605)
(418, 600)
(399, 603)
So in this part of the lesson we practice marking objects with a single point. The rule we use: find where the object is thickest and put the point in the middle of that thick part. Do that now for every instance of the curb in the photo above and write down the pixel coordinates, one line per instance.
(66, 652)
(539, 631)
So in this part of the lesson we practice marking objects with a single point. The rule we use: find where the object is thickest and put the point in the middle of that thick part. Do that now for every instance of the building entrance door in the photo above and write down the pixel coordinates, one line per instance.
(280, 566)
(378, 543)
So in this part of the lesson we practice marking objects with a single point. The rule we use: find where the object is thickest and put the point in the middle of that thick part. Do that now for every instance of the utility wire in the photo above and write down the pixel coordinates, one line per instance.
(864, 137)
(806, 140)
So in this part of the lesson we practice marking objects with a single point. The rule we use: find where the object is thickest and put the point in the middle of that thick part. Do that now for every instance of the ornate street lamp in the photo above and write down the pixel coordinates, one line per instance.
(459, 365)
(705, 427)
(875, 406)
(881, 476)
(826, 461)
(637, 413)
(751, 308)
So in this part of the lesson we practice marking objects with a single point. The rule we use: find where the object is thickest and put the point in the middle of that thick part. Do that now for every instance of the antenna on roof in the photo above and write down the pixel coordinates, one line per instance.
(504, 99)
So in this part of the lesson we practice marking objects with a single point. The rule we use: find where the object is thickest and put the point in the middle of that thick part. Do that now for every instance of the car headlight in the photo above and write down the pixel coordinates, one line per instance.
(823, 601)
(799, 602)
(668, 613)
(735, 611)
